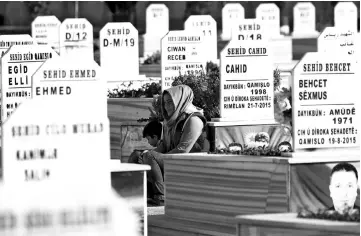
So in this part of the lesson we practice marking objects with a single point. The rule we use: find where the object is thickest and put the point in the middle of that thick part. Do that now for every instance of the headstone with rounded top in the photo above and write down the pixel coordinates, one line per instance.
(119, 50)
(157, 25)
(231, 13)
(304, 20)
(45, 30)
(183, 52)
(207, 27)
(346, 16)
(270, 14)
(76, 37)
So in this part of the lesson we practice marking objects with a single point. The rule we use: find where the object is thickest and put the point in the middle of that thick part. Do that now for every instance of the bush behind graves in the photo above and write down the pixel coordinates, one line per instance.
(146, 91)
(155, 58)
(351, 215)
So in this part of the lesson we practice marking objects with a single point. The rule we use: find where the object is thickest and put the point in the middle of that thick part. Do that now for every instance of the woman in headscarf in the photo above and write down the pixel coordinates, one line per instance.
(183, 124)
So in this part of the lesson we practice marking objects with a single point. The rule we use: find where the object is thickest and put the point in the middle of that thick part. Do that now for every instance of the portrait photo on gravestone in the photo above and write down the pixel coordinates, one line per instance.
(159, 118)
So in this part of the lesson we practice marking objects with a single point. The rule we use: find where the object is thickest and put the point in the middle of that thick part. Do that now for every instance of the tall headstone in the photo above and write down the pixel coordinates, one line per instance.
(17, 67)
(249, 29)
(346, 16)
(183, 52)
(256, 30)
(231, 13)
(207, 27)
(157, 26)
(76, 37)
(68, 77)
(64, 210)
(325, 111)
(338, 41)
(57, 139)
(6, 41)
(119, 51)
(304, 20)
(45, 30)
(246, 88)
(270, 14)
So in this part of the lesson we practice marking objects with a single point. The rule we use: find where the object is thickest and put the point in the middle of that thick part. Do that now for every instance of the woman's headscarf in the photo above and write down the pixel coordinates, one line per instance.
(182, 96)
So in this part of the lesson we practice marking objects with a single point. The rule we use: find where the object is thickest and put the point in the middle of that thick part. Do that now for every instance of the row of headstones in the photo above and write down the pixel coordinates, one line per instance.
(56, 148)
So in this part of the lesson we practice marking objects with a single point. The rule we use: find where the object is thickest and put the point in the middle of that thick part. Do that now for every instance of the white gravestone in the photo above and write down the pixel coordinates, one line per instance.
(345, 14)
(45, 30)
(157, 25)
(207, 27)
(255, 30)
(119, 51)
(58, 140)
(270, 14)
(6, 41)
(246, 88)
(66, 210)
(76, 37)
(339, 41)
(304, 20)
(325, 113)
(231, 13)
(17, 67)
(69, 77)
(183, 52)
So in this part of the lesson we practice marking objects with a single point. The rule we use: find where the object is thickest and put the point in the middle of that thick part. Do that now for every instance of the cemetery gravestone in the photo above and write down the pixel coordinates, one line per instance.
(48, 209)
(304, 23)
(207, 27)
(6, 41)
(324, 102)
(269, 13)
(70, 77)
(346, 16)
(76, 37)
(231, 13)
(119, 51)
(45, 30)
(246, 83)
(57, 140)
(17, 67)
(157, 25)
(338, 41)
(183, 52)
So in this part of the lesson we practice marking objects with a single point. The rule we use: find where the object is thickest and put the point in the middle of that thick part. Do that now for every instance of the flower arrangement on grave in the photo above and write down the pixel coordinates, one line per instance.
(125, 90)
(155, 58)
(351, 215)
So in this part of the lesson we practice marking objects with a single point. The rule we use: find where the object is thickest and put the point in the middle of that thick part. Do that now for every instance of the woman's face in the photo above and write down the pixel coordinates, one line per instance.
(168, 104)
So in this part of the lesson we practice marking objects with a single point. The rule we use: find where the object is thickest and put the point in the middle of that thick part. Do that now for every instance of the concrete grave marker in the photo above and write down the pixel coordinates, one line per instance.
(304, 23)
(231, 13)
(346, 16)
(45, 30)
(68, 77)
(207, 26)
(76, 37)
(249, 29)
(325, 113)
(47, 209)
(338, 41)
(57, 140)
(6, 41)
(119, 51)
(17, 67)
(246, 82)
(183, 52)
(270, 14)
(157, 25)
